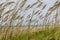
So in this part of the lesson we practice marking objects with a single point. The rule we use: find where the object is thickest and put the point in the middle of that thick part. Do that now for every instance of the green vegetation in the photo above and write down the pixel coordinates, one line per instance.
(7, 18)
(23, 34)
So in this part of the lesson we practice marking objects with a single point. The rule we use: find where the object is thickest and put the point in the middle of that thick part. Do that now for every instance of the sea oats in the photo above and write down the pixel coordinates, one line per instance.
(7, 3)
(36, 12)
(19, 7)
(55, 6)
(22, 5)
(1, 4)
(40, 4)
(34, 4)
(43, 7)
(52, 9)
(9, 11)
(28, 7)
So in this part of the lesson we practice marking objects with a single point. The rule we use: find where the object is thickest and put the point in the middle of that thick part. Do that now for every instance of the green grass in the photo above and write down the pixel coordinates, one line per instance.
(48, 34)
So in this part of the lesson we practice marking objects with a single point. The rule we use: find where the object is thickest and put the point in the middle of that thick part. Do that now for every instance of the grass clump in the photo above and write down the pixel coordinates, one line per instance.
(18, 33)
